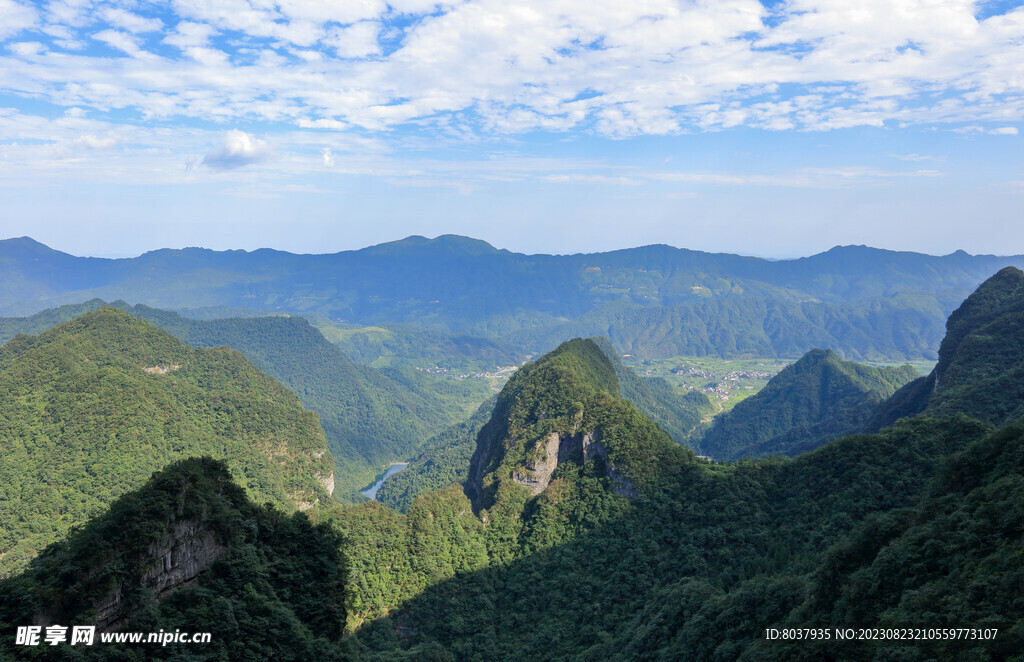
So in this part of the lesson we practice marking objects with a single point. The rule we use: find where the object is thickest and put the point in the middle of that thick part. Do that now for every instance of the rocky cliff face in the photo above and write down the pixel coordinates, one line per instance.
(535, 475)
(188, 548)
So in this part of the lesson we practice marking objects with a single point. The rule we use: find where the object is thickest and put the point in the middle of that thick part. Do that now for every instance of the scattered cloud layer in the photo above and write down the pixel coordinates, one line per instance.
(605, 66)
(495, 112)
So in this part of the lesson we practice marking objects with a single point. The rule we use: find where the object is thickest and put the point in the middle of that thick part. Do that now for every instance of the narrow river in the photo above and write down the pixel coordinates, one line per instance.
(371, 492)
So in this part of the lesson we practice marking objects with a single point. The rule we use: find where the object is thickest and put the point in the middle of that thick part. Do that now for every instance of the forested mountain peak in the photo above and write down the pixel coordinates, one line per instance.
(810, 402)
(564, 406)
(23, 246)
(110, 336)
(1000, 295)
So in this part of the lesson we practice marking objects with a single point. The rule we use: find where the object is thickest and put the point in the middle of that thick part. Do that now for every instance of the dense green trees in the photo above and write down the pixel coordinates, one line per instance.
(89, 409)
(371, 417)
(810, 402)
(585, 533)
(445, 458)
(271, 586)
(917, 526)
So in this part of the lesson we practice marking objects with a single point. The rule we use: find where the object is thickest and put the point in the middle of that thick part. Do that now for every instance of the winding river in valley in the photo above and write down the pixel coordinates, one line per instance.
(371, 492)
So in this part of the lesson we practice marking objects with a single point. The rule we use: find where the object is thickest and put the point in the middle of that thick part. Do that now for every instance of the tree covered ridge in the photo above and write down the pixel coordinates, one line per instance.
(446, 458)
(808, 403)
(269, 586)
(657, 301)
(981, 361)
(557, 405)
(370, 416)
(918, 525)
(90, 408)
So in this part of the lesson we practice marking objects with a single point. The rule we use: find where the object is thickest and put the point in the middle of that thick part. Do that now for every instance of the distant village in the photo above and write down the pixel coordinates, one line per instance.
(501, 372)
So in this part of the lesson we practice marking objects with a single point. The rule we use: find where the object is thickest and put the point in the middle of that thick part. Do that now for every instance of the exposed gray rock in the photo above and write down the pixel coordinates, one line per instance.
(178, 557)
(536, 475)
(553, 449)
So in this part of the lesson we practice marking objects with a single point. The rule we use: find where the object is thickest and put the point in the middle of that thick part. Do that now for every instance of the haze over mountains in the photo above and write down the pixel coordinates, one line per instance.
(656, 300)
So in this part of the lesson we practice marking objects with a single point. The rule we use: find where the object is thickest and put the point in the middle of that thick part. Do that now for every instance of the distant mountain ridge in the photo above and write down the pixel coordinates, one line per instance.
(466, 286)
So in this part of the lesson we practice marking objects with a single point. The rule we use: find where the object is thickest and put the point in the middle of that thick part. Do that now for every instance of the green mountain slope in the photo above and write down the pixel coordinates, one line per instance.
(954, 558)
(810, 402)
(696, 568)
(90, 408)
(981, 359)
(559, 434)
(898, 327)
(564, 405)
(653, 554)
(371, 417)
(446, 457)
(188, 551)
(404, 344)
(679, 414)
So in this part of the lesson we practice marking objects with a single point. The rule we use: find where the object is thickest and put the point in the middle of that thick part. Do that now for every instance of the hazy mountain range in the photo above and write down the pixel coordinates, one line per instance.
(658, 300)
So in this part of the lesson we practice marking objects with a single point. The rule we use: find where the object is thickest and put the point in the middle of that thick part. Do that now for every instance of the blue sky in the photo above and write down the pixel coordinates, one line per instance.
(776, 129)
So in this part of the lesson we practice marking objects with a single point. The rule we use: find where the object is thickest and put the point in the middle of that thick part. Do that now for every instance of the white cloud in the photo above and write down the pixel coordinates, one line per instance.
(27, 48)
(123, 41)
(129, 21)
(90, 141)
(490, 66)
(74, 13)
(188, 34)
(1004, 131)
(64, 37)
(328, 158)
(15, 17)
(914, 157)
(804, 178)
(355, 41)
(239, 149)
